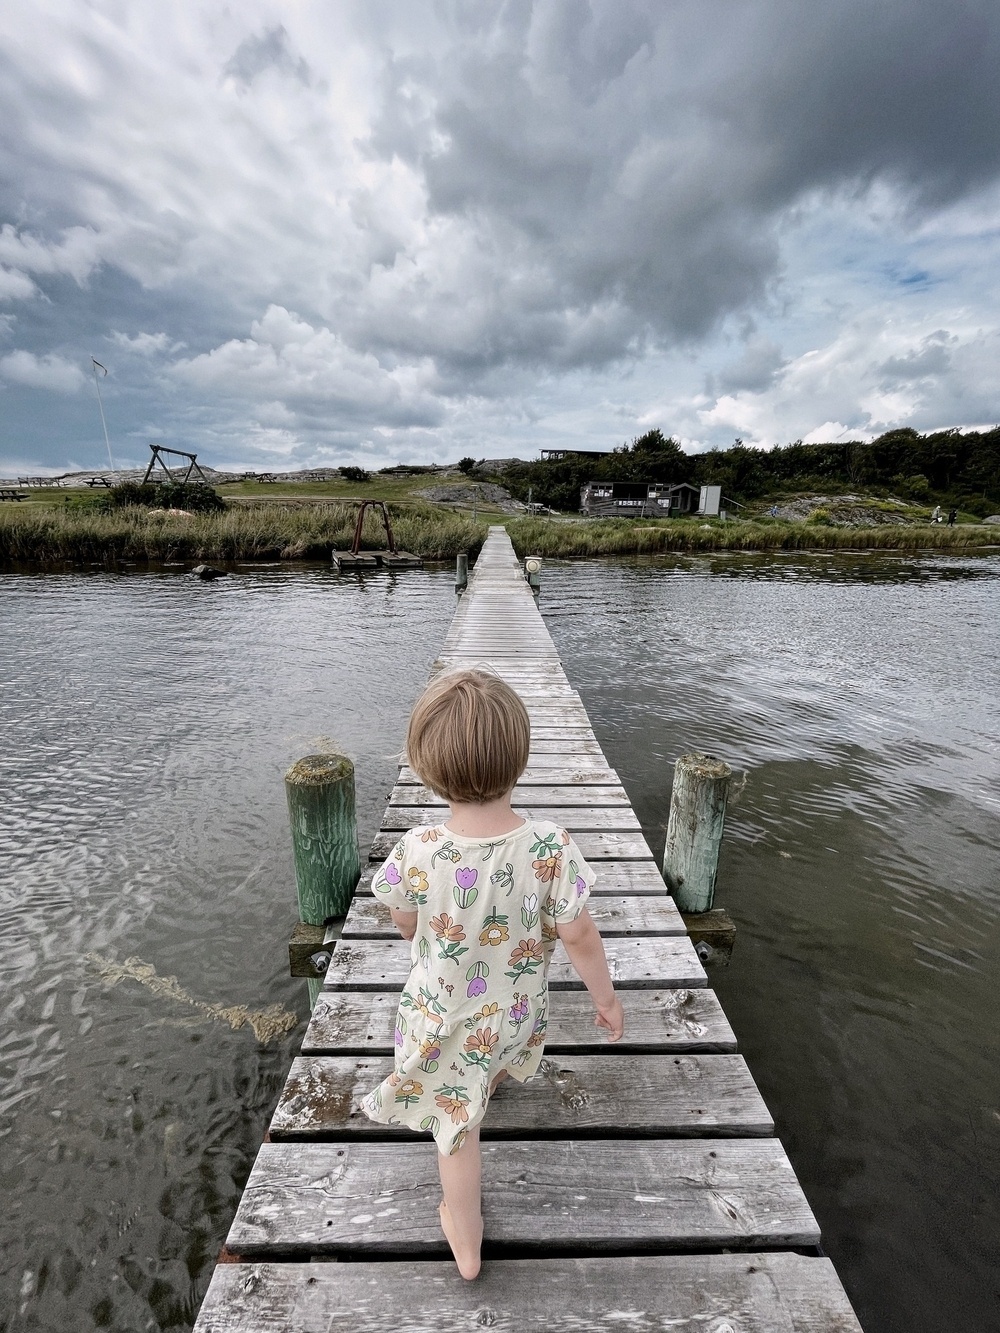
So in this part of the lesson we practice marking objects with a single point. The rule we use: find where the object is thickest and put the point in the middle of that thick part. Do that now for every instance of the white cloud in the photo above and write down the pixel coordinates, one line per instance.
(16, 286)
(145, 344)
(76, 252)
(290, 364)
(874, 375)
(53, 373)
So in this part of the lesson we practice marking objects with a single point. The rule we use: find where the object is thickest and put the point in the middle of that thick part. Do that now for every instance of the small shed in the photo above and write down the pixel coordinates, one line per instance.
(638, 499)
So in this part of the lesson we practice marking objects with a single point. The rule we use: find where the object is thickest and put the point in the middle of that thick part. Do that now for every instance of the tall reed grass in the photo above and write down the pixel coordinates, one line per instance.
(305, 532)
(617, 536)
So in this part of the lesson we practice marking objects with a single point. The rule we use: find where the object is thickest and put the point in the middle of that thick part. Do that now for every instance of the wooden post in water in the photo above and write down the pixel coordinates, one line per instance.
(461, 571)
(533, 572)
(694, 830)
(320, 791)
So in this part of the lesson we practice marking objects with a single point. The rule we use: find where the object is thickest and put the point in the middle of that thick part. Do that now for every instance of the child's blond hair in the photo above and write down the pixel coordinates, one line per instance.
(468, 737)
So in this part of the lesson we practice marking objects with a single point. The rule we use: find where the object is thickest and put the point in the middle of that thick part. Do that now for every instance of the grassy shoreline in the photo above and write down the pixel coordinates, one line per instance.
(618, 536)
(47, 535)
(309, 532)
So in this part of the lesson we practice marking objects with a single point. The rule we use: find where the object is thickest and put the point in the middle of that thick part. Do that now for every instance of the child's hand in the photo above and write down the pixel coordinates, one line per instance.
(612, 1017)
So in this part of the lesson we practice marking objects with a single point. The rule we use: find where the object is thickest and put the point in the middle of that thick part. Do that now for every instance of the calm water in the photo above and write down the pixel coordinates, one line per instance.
(147, 721)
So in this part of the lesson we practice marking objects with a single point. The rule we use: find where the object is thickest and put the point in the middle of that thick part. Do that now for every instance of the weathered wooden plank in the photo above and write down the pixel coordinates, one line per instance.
(613, 877)
(679, 1293)
(534, 777)
(561, 744)
(568, 714)
(659, 961)
(567, 745)
(524, 797)
(607, 1196)
(610, 1096)
(362, 1023)
(594, 846)
(478, 654)
(582, 760)
(590, 819)
(614, 914)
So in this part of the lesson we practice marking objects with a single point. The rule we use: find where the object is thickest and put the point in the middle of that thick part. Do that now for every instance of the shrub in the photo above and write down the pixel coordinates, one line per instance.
(197, 499)
(356, 474)
(466, 465)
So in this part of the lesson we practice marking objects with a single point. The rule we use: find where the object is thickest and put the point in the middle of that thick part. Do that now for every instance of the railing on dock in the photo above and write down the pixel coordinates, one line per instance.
(629, 1186)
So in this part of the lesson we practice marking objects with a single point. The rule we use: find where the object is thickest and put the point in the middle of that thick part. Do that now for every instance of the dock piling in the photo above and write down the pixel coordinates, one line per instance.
(320, 792)
(694, 830)
(461, 571)
(533, 573)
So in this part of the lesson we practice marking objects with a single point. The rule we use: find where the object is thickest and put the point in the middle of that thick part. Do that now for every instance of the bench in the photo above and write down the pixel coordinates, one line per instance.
(9, 493)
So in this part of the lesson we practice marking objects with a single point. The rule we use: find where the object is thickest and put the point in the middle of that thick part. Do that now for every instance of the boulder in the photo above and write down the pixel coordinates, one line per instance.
(207, 573)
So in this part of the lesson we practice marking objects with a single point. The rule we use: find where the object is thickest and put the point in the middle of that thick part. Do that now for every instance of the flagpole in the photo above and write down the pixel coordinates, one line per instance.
(97, 385)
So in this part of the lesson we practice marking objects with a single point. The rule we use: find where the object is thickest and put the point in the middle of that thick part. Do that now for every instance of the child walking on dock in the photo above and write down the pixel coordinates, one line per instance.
(483, 898)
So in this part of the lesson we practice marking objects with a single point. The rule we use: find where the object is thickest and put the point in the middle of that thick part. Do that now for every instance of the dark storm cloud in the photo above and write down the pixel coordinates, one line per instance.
(932, 358)
(270, 50)
(640, 157)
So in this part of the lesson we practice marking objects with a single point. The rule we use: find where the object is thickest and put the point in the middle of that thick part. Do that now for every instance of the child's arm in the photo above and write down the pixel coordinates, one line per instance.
(586, 952)
(405, 922)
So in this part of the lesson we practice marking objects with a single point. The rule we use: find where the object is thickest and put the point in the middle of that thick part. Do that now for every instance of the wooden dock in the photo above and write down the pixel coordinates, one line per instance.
(630, 1187)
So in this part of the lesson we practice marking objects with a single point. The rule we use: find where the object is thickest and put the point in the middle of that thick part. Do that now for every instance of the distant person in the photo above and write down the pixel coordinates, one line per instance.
(952, 515)
(936, 514)
(482, 897)
(774, 511)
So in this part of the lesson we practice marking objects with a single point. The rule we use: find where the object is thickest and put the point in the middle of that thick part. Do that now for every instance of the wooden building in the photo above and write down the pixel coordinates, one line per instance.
(638, 499)
(554, 455)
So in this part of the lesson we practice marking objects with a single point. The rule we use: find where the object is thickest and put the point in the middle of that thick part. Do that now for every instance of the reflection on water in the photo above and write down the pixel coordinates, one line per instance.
(147, 721)
(858, 694)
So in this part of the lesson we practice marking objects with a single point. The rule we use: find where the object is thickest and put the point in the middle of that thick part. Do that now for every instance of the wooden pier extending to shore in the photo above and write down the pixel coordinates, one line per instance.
(627, 1188)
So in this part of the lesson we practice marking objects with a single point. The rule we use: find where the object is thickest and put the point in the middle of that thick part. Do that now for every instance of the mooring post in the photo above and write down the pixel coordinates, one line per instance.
(320, 792)
(694, 830)
(533, 572)
(461, 571)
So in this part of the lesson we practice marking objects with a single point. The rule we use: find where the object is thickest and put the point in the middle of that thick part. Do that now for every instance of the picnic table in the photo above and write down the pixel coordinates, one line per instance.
(9, 493)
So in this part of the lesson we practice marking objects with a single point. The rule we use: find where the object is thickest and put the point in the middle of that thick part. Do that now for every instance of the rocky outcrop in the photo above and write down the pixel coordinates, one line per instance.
(473, 492)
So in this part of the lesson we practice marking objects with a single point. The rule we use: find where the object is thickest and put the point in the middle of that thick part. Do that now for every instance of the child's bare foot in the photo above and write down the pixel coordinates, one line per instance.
(467, 1253)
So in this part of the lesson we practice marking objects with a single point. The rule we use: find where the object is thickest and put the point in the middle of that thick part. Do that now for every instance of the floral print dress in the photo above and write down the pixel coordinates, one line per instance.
(476, 998)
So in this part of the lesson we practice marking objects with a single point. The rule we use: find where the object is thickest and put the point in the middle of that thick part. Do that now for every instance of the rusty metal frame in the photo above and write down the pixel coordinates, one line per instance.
(375, 504)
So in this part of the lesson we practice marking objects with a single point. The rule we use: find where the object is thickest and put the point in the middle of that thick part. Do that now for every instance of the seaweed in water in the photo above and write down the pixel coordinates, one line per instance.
(267, 1024)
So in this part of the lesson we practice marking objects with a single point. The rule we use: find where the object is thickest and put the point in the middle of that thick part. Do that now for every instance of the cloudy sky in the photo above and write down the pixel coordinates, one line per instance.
(374, 231)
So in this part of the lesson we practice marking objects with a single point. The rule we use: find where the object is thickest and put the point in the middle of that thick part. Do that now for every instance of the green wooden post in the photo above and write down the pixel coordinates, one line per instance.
(694, 830)
(320, 791)
(461, 571)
